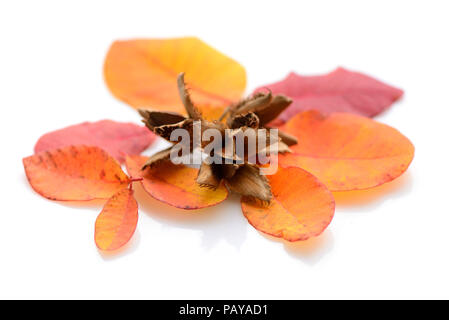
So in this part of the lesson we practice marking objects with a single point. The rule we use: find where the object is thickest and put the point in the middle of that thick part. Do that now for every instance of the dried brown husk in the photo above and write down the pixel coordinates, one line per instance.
(270, 112)
(250, 120)
(208, 176)
(261, 108)
(192, 111)
(154, 119)
(249, 114)
(243, 179)
(287, 138)
(247, 181)
(268, 139)
(165, 131)
(157, 158)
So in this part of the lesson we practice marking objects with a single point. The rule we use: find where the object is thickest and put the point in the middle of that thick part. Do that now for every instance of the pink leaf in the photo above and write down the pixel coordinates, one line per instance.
(117, 138)
(338, 91)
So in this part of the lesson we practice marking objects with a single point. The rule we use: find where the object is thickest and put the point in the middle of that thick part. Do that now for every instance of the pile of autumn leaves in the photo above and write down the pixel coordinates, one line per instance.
(339, 148)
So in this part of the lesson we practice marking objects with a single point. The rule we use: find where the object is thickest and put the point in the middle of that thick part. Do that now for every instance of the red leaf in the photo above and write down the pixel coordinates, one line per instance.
(117, 138)
(338, 91)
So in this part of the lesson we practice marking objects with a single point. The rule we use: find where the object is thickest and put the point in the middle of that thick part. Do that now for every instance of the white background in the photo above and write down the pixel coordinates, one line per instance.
(389, 242)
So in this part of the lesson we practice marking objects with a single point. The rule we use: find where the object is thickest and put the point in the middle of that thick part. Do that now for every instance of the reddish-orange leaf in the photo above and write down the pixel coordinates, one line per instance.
(174, 184)
(143, 73)
(346, 151)
(117, 222)
(75, 173)
(116, 138)
(301, 207)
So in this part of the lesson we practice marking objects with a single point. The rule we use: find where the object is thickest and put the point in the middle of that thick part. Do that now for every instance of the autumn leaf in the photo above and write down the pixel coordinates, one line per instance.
(116, 138)
(346, 151)
(174, 184)
(143, 74)
(301, 207)
(338, 91)
(117, 222)
(75, 173)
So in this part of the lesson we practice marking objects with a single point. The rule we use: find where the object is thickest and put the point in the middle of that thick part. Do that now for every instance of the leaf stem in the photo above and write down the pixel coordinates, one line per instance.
(131, 180)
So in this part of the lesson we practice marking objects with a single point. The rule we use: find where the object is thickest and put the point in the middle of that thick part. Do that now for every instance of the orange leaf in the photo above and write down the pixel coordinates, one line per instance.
(346, 151)
(117, 222)
(143, 73)
(174, 184)
(75, 173)
(300, 208)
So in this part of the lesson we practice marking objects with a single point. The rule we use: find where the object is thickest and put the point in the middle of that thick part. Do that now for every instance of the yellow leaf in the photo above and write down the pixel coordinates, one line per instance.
(143, 74)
